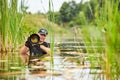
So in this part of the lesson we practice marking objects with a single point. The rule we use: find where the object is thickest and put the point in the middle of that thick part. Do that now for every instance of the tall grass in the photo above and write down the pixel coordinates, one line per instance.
(109, 11)
(4, 21)
(10, 23)
(10, 33)
(51, 16)
(107, 18)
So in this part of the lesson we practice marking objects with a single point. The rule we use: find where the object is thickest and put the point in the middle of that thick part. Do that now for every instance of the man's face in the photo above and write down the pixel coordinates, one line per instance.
(42, 37)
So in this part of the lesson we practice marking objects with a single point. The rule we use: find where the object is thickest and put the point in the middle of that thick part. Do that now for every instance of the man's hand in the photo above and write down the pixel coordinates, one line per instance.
(46, 49)
(28, 44)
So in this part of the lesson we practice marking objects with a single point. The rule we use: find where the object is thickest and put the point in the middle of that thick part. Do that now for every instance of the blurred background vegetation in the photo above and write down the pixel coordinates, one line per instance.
(97, 20)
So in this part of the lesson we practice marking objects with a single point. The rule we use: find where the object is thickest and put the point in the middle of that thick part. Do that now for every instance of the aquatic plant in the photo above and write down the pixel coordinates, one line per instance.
(107, 24)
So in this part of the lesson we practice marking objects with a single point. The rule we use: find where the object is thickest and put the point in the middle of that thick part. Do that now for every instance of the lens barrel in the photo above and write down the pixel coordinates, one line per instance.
(34, 38)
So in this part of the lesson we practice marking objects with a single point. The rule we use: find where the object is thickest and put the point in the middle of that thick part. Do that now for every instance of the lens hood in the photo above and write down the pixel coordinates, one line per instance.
(34, 38)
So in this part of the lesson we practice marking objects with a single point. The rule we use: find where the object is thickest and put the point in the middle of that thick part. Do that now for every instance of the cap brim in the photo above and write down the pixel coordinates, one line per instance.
(43, 33)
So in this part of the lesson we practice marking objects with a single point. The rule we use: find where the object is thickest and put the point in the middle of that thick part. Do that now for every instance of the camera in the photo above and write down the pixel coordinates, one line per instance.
(34, 39)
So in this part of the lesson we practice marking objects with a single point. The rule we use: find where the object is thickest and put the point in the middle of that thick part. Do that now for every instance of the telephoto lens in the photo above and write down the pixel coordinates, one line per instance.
(34, 39)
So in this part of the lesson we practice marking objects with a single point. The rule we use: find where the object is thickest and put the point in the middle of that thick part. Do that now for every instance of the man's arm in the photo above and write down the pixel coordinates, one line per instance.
(23, 54)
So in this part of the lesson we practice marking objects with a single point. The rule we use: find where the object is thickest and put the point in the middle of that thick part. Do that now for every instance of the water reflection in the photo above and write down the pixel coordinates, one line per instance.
(63, 69)
(66, 67)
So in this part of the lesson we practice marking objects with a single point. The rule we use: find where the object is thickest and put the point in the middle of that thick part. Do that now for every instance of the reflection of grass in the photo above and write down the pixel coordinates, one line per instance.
(10, 62)
(76, 60)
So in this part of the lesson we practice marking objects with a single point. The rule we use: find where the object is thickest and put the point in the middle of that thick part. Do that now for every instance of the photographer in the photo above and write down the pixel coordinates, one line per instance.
(40, 48)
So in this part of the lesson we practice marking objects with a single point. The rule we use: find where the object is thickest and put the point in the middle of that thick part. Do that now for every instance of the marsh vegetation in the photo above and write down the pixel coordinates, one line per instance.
(84, 40)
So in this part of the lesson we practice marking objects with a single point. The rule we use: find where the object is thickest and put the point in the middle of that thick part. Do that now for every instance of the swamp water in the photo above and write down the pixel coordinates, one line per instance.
(67, 65)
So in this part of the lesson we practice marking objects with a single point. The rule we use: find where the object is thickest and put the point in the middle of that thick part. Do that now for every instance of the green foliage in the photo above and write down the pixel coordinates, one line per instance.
(71, 23)
(10, 23)
(57, 17)
(80, 19)
(107, 17)
(92, 33)
(65, 11)
(68, 11)
(76, 14)
(4, 19)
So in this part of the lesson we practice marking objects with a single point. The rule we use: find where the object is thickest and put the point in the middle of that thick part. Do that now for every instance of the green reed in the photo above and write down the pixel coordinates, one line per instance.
(51, 16)
(49, 26)
(10, 33)
(4, 20)
(10, 23)
(107, 18)
(110, 13)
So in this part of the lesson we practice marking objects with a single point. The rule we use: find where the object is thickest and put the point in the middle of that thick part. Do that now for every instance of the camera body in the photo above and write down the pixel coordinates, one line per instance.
(34, 45)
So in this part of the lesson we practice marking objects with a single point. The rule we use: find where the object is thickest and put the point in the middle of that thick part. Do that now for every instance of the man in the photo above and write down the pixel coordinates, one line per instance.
(42, 47)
